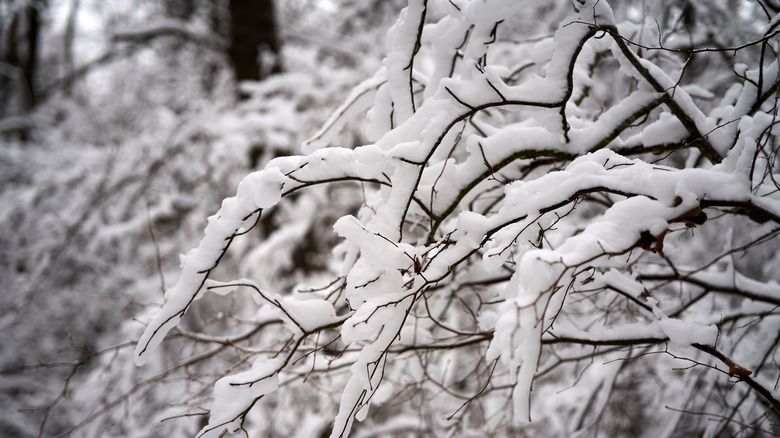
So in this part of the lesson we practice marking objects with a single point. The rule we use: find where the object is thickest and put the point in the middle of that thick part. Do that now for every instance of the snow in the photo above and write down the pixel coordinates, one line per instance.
(311, 314)
(267, 187)
(399, 62)
(195, 265)
(235, 394)
(356, 103)
(302, 314)
(685, 334)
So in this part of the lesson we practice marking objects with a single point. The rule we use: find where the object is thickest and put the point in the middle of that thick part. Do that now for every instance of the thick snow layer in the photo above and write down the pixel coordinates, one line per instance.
(234, 395)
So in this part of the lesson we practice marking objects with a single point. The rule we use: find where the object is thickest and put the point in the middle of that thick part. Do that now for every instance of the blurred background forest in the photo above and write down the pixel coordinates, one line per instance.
(123, 125)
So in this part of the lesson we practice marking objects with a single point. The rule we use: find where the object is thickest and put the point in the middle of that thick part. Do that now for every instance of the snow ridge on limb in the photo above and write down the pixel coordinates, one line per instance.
(237, 215)
(196, 266)
(394, 305)
(433, 128)
(359, 100)
(538, 287)
(236, 394)
(375, 288)
(258, 191)
(403, 41)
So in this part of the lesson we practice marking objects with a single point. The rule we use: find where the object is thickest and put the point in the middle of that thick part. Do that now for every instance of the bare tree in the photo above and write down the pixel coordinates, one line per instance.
(254, 44)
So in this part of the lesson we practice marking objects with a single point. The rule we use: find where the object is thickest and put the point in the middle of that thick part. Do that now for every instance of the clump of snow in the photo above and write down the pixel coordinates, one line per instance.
(234, 395)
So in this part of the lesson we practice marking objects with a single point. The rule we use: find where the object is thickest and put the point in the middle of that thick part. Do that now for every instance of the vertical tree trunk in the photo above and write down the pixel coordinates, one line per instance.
(254, 44)
(19, 35)
(67, 49)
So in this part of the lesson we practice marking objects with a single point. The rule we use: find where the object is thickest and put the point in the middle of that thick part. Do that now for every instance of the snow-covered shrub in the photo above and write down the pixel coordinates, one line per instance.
(548, 236)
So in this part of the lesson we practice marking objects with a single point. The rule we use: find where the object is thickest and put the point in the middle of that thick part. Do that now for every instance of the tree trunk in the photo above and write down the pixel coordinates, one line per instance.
(19, 33)
(254, 44)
